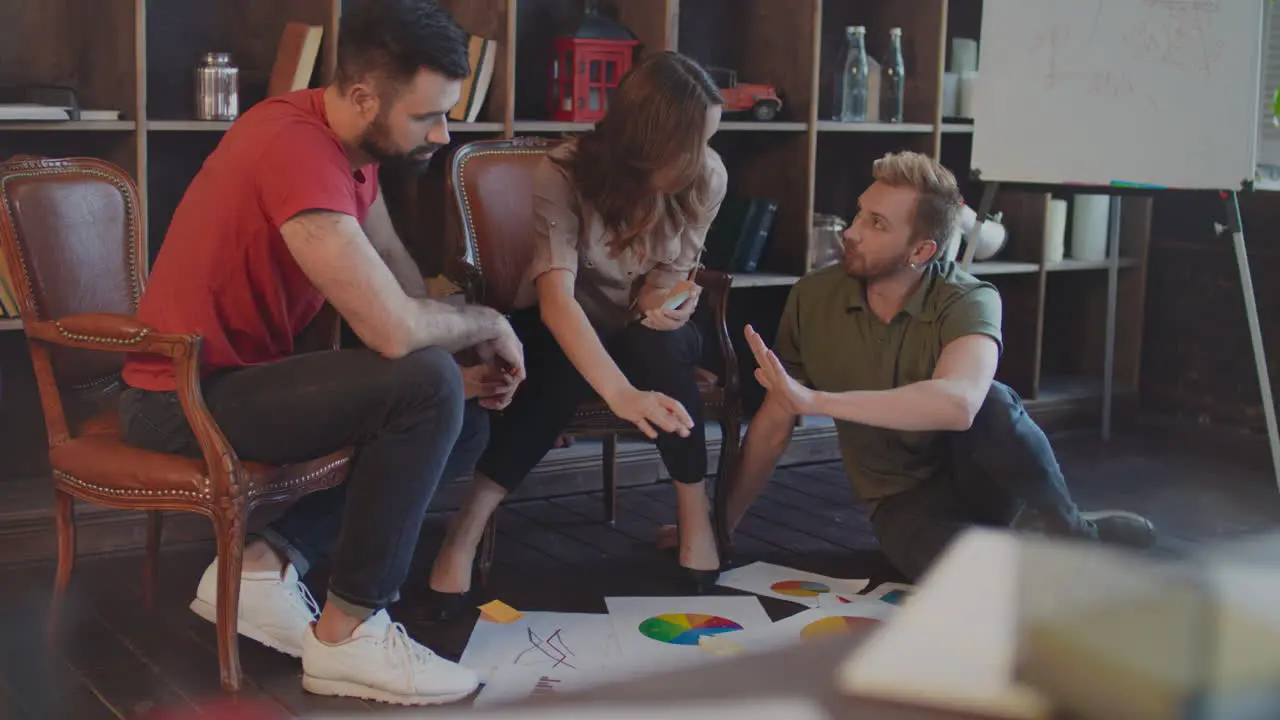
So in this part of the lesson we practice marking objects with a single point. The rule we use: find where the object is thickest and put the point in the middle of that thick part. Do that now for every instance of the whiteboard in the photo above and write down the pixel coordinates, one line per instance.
(1159, 93)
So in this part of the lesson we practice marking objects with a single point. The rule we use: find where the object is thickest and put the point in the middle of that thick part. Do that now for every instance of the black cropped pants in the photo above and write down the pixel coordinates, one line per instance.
(656, 360)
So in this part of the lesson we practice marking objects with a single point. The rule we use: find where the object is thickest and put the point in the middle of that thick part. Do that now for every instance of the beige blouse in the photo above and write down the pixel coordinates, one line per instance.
(569, 235)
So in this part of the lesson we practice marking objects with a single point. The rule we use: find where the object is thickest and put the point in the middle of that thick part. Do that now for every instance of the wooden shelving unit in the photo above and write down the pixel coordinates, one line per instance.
(137, 56)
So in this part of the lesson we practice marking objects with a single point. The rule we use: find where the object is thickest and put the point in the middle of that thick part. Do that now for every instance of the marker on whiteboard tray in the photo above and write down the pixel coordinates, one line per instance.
(1143, 186)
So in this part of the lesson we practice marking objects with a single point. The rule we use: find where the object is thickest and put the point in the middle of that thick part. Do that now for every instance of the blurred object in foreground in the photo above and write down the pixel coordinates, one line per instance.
(221, 709)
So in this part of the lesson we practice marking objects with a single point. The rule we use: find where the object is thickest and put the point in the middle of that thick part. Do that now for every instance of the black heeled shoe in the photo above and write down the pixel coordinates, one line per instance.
(698, 582)
(444, 607)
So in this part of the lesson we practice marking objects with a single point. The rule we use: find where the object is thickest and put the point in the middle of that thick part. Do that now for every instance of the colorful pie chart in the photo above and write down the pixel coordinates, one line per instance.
(836, 625)
(685, 628)
(800, 588)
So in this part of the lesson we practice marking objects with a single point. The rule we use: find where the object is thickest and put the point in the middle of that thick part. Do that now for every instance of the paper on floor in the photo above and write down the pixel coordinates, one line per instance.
(662, 633)
(783, 583)
(544, 643)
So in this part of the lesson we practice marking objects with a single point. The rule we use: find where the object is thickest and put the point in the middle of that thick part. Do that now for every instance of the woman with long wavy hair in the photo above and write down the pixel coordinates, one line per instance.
(620, 216)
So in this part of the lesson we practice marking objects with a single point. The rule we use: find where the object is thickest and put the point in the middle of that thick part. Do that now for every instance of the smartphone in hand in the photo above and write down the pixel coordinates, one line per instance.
(682, 291)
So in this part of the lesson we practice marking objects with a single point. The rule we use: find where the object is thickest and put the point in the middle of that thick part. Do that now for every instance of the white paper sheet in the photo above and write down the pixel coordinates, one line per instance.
(661, 633)
(818, 623)
(514, 683)
(784, 583)
(544, 643)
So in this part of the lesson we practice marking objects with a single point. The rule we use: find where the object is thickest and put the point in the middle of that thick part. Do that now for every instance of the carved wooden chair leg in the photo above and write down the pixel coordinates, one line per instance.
(65, 519)
(151, 563)
(610, 478)
(229, 528)
(726, 472)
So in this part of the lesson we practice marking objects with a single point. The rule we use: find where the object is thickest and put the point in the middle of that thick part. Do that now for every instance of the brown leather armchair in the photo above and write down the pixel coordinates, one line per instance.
(72, 237)
(491, 182)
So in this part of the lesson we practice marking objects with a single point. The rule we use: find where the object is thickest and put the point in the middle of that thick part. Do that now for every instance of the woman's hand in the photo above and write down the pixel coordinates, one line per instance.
(485, 381)
(661, 319)
(649, 409)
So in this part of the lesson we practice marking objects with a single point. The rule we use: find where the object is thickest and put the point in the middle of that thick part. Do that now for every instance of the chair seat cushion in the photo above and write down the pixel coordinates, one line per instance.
(595, 416)
(98, 464)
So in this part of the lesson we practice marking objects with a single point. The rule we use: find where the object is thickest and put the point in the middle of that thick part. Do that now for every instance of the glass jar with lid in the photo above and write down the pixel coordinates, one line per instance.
(826, 240)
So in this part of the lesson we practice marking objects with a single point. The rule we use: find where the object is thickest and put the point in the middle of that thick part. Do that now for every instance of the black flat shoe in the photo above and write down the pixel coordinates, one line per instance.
(437, 606)
(698, 582)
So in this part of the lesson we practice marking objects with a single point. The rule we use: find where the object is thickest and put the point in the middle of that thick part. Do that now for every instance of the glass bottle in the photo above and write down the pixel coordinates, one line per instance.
(894, 80)
(851, 82)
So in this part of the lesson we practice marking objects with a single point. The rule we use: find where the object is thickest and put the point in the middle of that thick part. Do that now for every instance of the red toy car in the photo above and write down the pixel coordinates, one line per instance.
(759, 99)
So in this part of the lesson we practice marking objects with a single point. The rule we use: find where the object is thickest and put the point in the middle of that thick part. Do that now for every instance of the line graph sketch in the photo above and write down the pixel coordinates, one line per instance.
(1176, 34)
(543, 654)
(553, 647)
(549, 643)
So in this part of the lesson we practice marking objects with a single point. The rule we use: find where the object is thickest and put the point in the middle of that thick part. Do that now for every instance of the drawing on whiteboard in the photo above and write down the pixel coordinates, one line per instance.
(1176, 34)
(553, 647)
(1173, 33)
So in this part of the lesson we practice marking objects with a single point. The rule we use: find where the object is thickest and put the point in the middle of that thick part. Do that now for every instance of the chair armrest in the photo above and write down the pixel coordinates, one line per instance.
(715, 288)
(105, 332)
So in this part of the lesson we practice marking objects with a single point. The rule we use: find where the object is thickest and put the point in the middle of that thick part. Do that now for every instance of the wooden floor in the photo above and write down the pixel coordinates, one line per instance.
(118, 660)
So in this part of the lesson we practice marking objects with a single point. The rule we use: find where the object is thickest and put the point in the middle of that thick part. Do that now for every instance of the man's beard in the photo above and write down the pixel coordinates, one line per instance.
(863, 270)
(375, 144)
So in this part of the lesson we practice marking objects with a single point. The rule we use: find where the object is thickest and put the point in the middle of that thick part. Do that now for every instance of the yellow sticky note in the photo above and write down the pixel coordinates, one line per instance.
(500, 612)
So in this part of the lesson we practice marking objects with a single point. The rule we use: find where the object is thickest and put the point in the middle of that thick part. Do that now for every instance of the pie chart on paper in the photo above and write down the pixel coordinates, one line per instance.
(835, 625)
(685, 628)
(800, 588)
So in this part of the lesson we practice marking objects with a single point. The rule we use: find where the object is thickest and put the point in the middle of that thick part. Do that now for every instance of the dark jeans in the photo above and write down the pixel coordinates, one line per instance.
(656, 360)
(1000, 465)
(407, 419)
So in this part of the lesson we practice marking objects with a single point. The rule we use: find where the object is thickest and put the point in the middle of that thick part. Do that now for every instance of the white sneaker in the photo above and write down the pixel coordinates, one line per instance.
(275, 610)
(381, 662)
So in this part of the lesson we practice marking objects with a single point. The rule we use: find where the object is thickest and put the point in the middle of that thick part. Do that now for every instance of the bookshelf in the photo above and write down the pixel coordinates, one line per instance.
(137, 56)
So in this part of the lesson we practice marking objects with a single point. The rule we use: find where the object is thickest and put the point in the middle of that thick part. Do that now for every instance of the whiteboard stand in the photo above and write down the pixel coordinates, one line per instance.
(1255, 330)
(1114, 84)
(1109, 341)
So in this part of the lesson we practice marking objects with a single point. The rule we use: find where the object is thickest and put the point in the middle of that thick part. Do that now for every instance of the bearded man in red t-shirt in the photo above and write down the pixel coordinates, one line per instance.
(284, 215)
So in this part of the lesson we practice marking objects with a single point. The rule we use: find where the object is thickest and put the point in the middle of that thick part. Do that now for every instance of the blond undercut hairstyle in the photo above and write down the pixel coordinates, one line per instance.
(939, 201)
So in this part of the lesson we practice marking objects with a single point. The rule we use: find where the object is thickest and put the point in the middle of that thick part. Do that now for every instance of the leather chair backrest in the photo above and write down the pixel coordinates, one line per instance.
(74, 243)
(492, 185)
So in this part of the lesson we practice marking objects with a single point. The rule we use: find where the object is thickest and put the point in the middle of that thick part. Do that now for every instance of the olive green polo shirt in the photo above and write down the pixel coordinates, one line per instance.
(830, 340)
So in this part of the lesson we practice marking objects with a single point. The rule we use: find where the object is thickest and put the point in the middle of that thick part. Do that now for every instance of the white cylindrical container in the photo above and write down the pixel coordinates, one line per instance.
(1055, 231)
(1089, 219)
(968, 81)
(950, 94)
(964, 54)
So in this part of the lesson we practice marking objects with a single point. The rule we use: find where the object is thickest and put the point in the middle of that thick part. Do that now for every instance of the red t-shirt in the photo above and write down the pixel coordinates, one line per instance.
(224, 272)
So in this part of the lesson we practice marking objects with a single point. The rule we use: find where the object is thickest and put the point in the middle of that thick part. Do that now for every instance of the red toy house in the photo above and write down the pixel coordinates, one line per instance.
(587, 66)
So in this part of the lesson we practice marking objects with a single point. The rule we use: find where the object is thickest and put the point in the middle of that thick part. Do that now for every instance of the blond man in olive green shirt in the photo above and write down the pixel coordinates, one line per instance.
(901, 349)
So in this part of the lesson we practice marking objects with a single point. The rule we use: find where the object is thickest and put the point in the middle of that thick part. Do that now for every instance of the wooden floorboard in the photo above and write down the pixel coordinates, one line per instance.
(117, 659)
